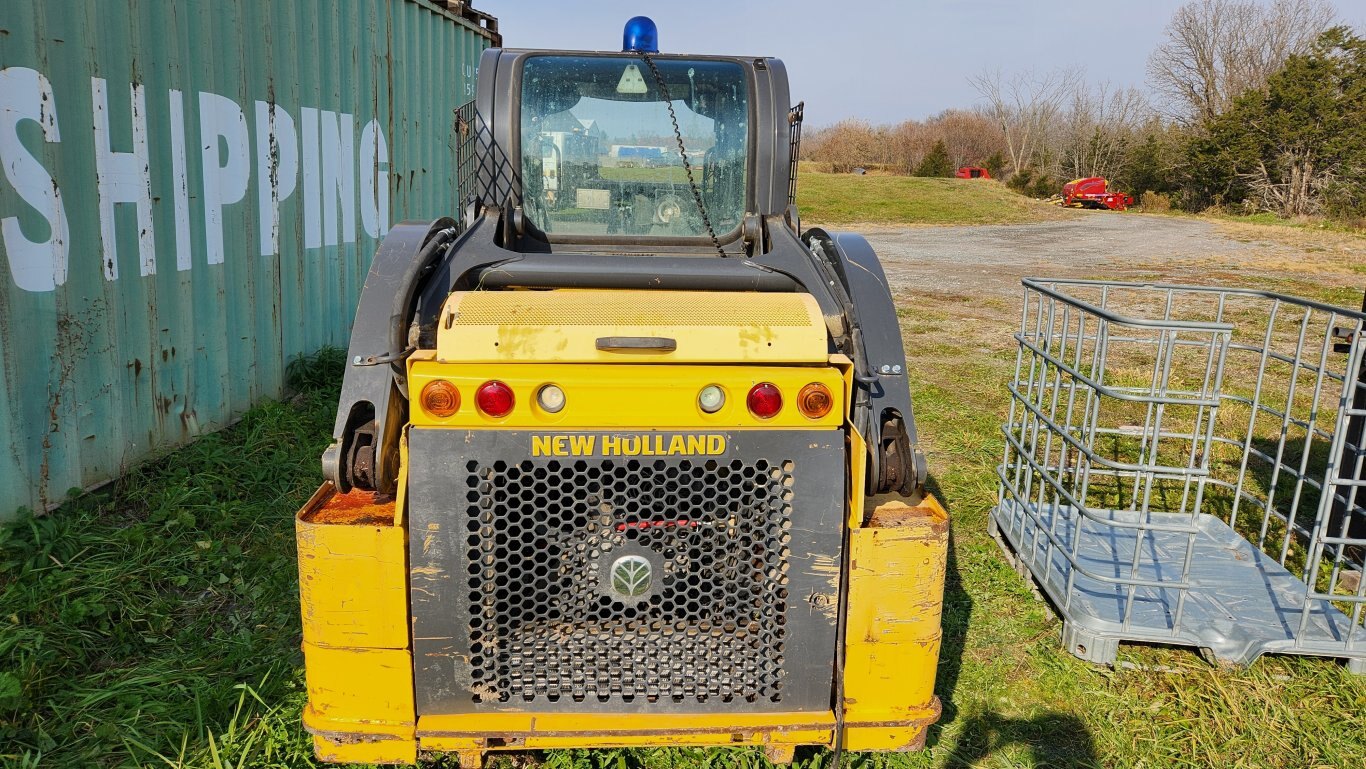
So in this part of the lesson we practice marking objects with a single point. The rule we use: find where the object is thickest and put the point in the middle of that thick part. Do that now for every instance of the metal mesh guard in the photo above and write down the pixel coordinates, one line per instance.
(608, 581)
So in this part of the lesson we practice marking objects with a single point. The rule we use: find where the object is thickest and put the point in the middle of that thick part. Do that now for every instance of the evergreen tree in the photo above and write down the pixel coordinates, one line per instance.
(936, 162)
(995, 165)
(1148, 168)
(1299, 147)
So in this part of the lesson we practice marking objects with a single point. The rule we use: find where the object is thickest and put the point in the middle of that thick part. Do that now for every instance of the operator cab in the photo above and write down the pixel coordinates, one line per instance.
(622, 171)
(634, 149)
(599, 156)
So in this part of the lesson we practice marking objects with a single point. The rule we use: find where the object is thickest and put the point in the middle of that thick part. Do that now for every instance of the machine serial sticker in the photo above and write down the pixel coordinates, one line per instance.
(639, 445)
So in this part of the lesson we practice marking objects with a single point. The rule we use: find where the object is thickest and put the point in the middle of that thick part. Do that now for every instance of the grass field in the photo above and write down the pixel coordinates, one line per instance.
(883, 199)
(155, 623)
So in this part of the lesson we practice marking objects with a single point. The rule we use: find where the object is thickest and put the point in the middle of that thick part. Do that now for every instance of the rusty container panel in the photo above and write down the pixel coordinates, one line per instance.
(192, 192)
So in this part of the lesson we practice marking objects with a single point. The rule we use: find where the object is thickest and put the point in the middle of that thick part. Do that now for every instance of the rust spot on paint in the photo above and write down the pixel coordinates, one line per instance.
(356, 508)
(136, 365)
(897, 514)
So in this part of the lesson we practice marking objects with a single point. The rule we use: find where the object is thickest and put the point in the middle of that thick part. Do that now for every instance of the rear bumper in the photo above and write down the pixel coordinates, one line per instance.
(470, 736)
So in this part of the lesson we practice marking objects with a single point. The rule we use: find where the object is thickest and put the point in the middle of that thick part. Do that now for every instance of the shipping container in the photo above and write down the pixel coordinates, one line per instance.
(191, 196)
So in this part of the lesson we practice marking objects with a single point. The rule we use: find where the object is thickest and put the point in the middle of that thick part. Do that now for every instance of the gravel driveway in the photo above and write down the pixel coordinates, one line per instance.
(972, 261)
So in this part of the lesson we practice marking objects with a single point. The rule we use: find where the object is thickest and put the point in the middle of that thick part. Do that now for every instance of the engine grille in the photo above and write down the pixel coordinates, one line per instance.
(615, 580)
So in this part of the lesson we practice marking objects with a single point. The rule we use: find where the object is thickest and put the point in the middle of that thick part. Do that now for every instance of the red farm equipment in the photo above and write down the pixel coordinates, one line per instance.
(973, 172)
(1094, 192)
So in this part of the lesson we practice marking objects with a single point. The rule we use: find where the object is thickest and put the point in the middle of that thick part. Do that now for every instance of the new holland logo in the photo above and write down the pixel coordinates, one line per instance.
(631, 576)
(628, 445)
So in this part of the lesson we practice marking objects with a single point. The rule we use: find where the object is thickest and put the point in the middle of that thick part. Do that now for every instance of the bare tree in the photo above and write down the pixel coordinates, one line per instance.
(1100, 126)
(971, 136)
(1218, 49)
(844, 145)
(1301, 190)
(1026, 107)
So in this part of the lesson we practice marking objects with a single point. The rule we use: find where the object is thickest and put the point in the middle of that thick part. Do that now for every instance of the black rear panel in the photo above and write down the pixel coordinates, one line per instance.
(626, 577)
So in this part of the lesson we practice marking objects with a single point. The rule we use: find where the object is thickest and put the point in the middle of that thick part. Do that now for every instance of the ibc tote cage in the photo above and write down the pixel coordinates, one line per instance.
(1183, 465)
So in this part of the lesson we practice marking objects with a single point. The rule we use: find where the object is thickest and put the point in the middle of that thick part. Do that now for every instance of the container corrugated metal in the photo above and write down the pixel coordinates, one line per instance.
(192, 192)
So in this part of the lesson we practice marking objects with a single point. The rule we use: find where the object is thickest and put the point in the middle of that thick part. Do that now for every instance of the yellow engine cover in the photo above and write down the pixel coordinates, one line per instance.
(564, 326)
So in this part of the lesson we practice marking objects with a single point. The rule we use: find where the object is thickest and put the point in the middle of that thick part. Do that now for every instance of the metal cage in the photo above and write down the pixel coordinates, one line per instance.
(1183, 465)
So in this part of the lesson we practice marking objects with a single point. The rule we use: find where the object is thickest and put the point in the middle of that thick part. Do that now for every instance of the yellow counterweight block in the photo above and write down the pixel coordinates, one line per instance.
(353, 593)
(892, 631)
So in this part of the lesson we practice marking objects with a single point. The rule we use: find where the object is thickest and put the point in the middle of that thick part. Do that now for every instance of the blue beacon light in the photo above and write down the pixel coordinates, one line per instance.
(640, 36)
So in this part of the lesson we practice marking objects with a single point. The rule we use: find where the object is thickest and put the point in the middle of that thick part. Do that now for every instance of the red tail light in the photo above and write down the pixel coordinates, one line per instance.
(494, 398)
(765, 400)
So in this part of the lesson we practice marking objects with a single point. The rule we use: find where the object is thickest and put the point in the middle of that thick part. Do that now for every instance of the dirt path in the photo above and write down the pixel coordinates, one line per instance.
(990, 260)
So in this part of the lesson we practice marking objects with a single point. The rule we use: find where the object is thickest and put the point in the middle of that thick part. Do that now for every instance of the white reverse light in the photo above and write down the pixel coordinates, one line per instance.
(551, 398)
(711, 399)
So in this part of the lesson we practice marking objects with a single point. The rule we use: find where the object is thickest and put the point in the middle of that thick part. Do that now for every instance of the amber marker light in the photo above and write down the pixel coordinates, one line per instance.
(815, 401)
(440, 398)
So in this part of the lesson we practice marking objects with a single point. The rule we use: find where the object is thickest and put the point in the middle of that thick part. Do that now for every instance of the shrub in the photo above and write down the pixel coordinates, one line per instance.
(1020, 180)
(995, 165)
(1155, 202)
(1044, 186)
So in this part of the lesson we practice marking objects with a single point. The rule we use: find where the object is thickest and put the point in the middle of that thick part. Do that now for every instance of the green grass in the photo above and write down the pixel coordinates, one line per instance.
(1356, 227)
(156, 624)
(1308, 223)
(159, 619)
(828, 199)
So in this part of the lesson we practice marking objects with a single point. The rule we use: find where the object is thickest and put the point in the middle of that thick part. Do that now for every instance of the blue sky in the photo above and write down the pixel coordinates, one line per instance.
(885, 61)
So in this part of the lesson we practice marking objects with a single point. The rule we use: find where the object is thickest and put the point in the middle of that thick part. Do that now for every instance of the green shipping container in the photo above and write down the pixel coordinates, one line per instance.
(192, 193)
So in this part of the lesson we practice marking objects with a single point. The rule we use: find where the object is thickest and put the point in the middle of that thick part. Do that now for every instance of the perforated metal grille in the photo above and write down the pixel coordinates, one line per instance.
(551, 621)
(627, 308)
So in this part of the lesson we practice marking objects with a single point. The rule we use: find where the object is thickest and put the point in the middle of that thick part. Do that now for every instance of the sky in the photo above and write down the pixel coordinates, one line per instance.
(883, 60)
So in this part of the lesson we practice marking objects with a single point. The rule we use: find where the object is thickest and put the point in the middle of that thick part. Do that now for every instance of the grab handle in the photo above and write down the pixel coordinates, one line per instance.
(637, 344)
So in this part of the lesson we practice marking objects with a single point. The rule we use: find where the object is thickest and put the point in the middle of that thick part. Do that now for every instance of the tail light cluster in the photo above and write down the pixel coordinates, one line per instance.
(442, 399)
(765, 400)
(493, 398)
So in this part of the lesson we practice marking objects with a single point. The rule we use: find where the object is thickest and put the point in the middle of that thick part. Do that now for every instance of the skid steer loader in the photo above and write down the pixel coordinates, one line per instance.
(610, 443)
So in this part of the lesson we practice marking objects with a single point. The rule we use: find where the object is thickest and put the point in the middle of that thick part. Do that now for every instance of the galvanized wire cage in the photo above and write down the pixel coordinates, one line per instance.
(1184, 465)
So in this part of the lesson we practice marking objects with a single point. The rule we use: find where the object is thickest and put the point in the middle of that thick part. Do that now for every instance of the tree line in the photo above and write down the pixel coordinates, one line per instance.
(1250, 107)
